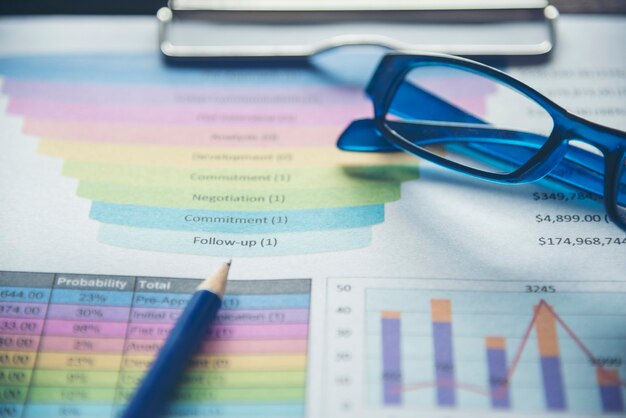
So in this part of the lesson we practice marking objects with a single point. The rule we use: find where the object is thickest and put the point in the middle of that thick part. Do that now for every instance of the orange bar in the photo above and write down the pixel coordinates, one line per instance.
(441, 310)
(547, 338)
(607, 377)
(495, 343)
(390, 314)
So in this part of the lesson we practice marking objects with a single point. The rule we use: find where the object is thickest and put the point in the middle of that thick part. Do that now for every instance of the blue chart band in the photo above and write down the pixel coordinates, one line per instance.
(234, 245)
(237, 221)
(144, 69)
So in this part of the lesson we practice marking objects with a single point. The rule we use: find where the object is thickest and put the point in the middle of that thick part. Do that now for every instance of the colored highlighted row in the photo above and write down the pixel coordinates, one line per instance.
(240, 199)
(136, 69)
(234, 245)
(22, 310)
(165, 156)
(51, 360)
(68, 344)
(140, 299)
(192, 379)
(135, 330)
(238, 410)
(175, 219)
(143, 315)
(182, 135)
(41, 394)
(89, 92)
(185, 114)
(240, 178)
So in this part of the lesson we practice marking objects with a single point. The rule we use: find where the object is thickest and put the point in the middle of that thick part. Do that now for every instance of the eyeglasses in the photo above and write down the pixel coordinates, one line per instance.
(476, 120)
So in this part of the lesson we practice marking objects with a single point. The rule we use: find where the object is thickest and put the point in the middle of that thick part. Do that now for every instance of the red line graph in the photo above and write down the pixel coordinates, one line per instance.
(501, 390)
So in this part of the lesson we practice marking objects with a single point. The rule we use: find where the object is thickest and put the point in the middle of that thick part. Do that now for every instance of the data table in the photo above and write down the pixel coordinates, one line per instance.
(77, 345)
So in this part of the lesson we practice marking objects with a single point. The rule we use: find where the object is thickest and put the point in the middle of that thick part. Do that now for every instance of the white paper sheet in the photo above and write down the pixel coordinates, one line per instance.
(444, 225)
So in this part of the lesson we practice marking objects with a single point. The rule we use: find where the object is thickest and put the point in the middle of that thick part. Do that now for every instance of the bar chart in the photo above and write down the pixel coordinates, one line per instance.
(485, 347)
(78, 345)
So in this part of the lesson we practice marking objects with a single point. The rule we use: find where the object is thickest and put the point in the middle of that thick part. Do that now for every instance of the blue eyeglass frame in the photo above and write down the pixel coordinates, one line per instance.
(580, 168)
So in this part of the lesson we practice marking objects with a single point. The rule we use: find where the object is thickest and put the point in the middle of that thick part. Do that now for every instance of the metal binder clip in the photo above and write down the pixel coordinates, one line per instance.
(254, 29)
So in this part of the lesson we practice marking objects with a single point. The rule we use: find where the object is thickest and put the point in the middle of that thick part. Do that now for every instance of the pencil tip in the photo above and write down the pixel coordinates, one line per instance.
(229, 262)
(216, 282)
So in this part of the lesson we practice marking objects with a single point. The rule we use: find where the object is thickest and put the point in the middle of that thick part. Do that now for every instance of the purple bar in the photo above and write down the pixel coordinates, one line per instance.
(496, 361)
(612, 400)
(610, 387)
(444, 363)
(89, 313)
(154, 315)
(392, 371)
(553, 383)
(239, 316)
(22, 310)
(262, 316)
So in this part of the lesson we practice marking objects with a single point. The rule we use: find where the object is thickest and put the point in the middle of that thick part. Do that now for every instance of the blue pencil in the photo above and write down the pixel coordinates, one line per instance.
(151, 398)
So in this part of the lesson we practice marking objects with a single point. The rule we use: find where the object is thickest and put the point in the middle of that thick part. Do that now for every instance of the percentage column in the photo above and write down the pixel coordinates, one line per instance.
(81, 347)
(23, 304)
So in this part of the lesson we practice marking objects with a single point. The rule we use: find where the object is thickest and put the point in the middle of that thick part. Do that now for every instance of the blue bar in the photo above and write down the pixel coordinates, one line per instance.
(553, 383)
(11, 410)
(392, 361)
(610, 387)
(91, 297)
(444, 363)
(498, 385)
(24, 294)
(612, 401)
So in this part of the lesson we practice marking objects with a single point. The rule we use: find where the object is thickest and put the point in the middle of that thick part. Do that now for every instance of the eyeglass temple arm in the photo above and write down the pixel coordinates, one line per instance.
(580, 168)
(435, 133)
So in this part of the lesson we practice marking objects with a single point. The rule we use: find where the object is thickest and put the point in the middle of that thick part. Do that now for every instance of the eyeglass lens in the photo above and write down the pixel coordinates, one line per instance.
(452, 112)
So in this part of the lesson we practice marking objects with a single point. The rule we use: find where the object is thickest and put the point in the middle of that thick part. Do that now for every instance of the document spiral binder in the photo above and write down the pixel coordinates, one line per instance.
(284, 29)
